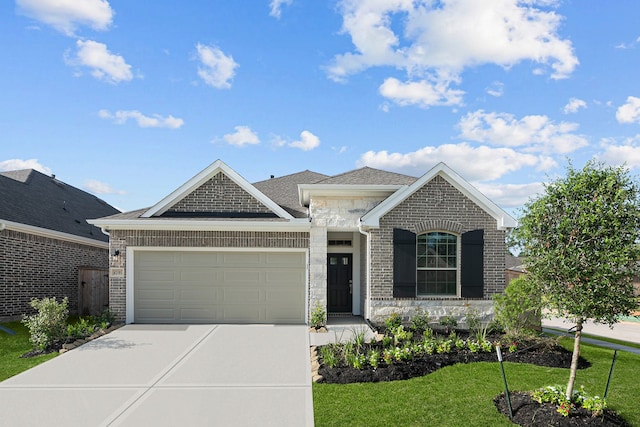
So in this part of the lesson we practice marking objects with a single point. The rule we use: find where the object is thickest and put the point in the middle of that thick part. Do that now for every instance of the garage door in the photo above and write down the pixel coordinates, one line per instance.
(219, 287)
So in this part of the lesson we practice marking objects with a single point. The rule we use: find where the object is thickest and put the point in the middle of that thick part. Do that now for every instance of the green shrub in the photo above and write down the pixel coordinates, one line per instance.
(82, 328)
(419, 322)
(49, 324)
(318, 317)
(393, 321)
(329, 355)
(449, 323)
(518, 310)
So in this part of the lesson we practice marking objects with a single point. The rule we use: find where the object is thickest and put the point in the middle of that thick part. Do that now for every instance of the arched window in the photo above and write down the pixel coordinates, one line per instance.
(437, 264)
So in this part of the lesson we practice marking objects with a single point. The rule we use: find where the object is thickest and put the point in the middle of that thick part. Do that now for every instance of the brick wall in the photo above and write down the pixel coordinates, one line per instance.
(436, 206)
(219, 194)
(121, 239)
(36, 267)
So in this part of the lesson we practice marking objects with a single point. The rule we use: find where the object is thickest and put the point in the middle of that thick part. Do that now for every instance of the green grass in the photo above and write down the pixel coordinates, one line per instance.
(462, 395)
(14, 346)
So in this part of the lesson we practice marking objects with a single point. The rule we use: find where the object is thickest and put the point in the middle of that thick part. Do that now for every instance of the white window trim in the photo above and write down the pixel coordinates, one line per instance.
(458, 264)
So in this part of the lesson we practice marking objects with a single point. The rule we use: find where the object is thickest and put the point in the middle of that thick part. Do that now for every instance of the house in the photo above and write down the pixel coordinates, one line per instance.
(367, 243)
(45, 239)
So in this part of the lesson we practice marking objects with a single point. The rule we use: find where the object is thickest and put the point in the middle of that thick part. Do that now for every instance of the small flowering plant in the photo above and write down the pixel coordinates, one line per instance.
(513, 347)
(557, 396)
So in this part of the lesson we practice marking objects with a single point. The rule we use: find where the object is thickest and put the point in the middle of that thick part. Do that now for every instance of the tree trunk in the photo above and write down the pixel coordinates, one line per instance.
(574, 359)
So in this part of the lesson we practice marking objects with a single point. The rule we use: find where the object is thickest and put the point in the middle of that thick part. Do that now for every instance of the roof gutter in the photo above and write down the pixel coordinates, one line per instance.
(52, 234)
(298, 224)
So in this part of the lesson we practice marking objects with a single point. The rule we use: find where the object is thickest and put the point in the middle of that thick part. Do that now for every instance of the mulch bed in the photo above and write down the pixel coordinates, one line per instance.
(529, 413)
(541, 353)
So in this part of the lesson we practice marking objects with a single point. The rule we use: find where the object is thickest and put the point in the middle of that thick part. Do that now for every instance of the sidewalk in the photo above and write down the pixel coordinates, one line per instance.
(622, 331)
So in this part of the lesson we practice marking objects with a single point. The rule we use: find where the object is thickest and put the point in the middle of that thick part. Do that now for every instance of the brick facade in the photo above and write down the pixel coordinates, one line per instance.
(220, 194)
(33, 266)
(437, 206)
(121, 239)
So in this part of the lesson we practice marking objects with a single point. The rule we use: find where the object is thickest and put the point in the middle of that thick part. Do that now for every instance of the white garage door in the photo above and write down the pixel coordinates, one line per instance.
(219, 287)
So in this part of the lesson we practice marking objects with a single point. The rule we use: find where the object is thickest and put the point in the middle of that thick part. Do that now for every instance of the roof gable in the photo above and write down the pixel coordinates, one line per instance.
(284, 190)
(205, 194)
(34, 199)
(503, 219)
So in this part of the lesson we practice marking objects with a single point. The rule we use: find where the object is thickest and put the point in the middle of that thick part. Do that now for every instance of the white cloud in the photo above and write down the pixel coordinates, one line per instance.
(217, 69)
(307, 141)
(153, 121)
(496, 89)
(441, 39)
(241, 137)
(18, 164)
(66, 15)
(276, 7)
(421, 93)
(477, 163)
(618, 154)
(535, 133)
(98, 187)
(629, 112)
(510, 195)
(104, 65)
(574, 105)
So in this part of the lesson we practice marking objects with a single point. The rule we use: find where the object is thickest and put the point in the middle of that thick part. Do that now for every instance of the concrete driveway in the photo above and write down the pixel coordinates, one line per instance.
(170, 375)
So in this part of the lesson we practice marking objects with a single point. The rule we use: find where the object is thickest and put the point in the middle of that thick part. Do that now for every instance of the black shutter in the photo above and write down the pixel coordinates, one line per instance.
(472, 264)
(404, 263)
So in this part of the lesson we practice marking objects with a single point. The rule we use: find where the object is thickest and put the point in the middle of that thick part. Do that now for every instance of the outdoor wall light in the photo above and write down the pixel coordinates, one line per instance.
(116, 252)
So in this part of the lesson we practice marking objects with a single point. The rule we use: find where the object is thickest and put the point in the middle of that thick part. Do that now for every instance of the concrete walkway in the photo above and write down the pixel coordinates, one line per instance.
(341, 329)
(170, 375)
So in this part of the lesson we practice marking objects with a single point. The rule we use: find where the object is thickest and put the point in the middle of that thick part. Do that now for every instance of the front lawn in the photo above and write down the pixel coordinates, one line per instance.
(14, 346)
(462, 395)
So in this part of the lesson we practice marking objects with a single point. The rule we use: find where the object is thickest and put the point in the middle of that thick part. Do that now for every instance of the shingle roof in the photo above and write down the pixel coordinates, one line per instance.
(284, 190)
(32, 198)
(369, 176)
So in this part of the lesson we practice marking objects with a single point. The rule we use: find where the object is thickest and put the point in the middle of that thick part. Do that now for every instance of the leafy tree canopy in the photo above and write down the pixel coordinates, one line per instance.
(579, 240)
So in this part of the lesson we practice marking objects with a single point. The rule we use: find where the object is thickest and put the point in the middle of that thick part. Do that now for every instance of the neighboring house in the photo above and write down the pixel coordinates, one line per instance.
(367, 242)
(45, 239)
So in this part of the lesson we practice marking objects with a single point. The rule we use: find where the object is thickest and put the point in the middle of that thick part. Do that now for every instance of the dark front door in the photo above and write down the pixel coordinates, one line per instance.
(339, 283)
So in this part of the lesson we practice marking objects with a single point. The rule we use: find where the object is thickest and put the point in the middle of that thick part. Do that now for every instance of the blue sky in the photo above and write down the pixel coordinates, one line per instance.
(130, 99)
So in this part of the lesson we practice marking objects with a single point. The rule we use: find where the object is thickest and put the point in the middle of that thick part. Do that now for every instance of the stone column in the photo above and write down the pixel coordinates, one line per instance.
(318, 267)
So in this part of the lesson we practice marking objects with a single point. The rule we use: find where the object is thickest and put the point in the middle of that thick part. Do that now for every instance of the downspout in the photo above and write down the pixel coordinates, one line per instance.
(368, 283)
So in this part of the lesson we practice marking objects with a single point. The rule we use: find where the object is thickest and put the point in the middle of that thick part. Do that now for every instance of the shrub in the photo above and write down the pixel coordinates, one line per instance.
(318, 317)
(329, 355)
(449, 323)
(49, 324)
(393, 321)
(518, 309)
(419, 322)
(82, 329)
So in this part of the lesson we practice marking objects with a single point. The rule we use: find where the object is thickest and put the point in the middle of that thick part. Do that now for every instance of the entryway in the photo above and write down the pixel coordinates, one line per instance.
(339, 283)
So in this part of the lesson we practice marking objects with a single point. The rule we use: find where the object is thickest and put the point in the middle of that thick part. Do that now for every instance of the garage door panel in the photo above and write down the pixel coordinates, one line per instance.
(225, 287)
(284, 314)
(241, 296)
(284, 277)
(242, 277)
(276, 259)
(242, 313)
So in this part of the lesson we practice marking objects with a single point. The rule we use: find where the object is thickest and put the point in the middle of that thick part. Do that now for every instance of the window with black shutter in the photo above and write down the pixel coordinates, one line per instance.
(404, 263)
(472, 264)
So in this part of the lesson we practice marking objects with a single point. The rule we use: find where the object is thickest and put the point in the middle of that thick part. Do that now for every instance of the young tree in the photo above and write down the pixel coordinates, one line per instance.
(579, 240)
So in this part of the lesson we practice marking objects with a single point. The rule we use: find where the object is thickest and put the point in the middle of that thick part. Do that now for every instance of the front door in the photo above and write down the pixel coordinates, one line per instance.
(339, 283)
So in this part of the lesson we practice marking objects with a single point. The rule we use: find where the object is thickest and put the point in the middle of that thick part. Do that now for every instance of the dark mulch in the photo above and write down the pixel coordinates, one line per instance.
(529, 413)
(539, 352)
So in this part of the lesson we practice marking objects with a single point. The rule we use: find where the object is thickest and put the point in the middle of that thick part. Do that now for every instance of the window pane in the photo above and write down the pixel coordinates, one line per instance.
(437, 264)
